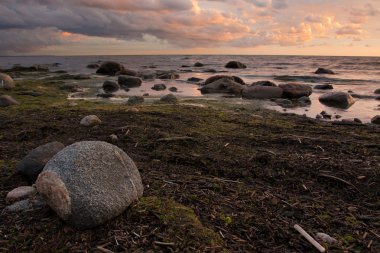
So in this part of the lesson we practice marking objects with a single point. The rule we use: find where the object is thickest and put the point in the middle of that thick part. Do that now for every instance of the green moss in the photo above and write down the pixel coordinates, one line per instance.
(348, 239)
(180, 222)
(351, 220)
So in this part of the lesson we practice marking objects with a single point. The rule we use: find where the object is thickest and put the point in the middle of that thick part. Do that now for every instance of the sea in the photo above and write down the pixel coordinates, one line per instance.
(357, 75)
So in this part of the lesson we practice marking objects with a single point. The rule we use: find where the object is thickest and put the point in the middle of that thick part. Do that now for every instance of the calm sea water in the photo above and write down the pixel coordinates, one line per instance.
(360, 75)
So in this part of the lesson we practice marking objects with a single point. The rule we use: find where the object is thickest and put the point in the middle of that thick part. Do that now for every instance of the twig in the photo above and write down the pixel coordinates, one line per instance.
(164, 243)
(378, 236)
(338, 179)
(309, 238)
(100, 248)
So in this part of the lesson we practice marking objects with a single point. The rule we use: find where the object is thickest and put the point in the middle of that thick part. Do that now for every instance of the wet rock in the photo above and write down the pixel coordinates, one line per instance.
(170, 98)
(126, 72)
(110, 86)
(209, 71)
(295, 90)
(357, 120)
(198, 64)
(217, 77)
(93, 66)
(185, 66)
(110, 68)
(223, 85)
(324, 71)
(377, 91)
(304, 101)
(235, 65)
(146, 95)
(376, 120)
(6, 82)
(89, 183)
(33, 163)
(34, 68)
(337, 99)
(168, 76)
(135, 100)
(325, 238)
(34, 203)
(90, 120)
(173, 89)
(326, 115)
(318, 116)
(159, 87)
(283, 102)
(324, 87)
(361, 96)
(264, 83)
(20, 193)
(262, 92)
(129, 81)
(6, 100)
(194, 79)
(338, 116)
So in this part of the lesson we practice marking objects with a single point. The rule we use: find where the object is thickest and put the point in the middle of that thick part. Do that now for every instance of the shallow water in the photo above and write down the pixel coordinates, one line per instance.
(360, 75)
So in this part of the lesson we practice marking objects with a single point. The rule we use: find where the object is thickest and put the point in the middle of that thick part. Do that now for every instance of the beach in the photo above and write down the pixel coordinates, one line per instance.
(221, 173)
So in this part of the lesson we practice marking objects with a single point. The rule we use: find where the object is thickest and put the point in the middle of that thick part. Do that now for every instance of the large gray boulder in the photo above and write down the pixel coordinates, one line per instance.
(6, 100)
(217, 77)
(235, 65)
(33, 163)
(337, 99)
(110, 68)
(6, 82)
(89, 183)
(262, 92)
(129, 81)
(224, 85)
(296, 90)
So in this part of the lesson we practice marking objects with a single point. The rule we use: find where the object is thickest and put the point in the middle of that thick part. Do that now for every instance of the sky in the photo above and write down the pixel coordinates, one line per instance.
(244, 27)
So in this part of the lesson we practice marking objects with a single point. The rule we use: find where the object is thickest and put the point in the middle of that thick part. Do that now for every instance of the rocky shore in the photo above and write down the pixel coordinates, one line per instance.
(217, 176)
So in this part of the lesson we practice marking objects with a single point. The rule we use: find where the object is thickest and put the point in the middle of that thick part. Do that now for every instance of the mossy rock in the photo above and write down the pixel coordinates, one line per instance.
(180, 224)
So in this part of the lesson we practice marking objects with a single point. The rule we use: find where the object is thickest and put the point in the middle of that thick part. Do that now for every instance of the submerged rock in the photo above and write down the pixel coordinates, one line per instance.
(217, 77)
(194, 79)
(110, 86)
(126, 72)
(198, 64)
(169, 76)
(90, 120)
(324, 87)
(129, 81)
(110, 68)
(295, 90)
(235, 65)
(6, 82)
(170, 98)
(337, 99)
(224, 85)
(262, 92)
(6, 100)
(173, 89)
(33, 163)
(377, 91)
(89, 183)
(93, 66)
(324, 71)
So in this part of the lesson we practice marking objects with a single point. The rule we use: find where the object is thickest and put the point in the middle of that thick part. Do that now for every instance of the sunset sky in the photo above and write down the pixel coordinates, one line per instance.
(122, 27)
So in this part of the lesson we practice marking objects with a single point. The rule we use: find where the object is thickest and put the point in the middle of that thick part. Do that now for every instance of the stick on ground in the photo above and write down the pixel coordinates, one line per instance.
(309, 238)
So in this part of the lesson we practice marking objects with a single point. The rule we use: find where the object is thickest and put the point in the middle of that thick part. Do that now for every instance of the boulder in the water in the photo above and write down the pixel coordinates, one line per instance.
(129, 81)
(194, 79)
(321, 71)
(264, 83)
(126, 72)
(198, 64)
(90, 120)
(110, 68)
(337, 99)
(217, 77)
(262, 92)
(224, 85)
(173, 89)
(159, 87)
(6, 100)
(33, 163)
(89, 183)
(6, 82)
(135, 100)
(377, 91)
(110, 86)
(235, 65)
(295, 90)
(168, 76)
(93, 66)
